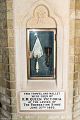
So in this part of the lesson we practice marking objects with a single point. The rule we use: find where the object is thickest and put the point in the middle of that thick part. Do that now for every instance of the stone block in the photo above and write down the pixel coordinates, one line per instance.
(71, 50)
(11, 51)
(77, 4)
(12, 77)
(76, 67)
(0, 82)
(76, 114)
(8, 85)
(1, 67)
(72, 4)
(77, 51)
(77, 24)
(5, 52)
(79, 58)
(75, 75)
(76, 59)
(10, 24)
(12, 68)
(14, 109)
(75, 84)
(77, 42)
(72, 33)
(79, 90)
(11, 59)
(1, 74)
(13, 86)
(71, 68)
(5, 68)
(10, 42)
(4, 107)
(71, 57)
(8, 101)
(0, 51)
(79, 69)
(0, 58)
(5, 43)
(4, 85)
(6, 76)
(9, 5)
(5, 59)
(9, 14)
(77, 32)
(13, 100)
(9, 109)
(15, 116)
(76, 99)
(6, 114)
(8, 92)
(13, 91)
(10, 33)
(71, 42)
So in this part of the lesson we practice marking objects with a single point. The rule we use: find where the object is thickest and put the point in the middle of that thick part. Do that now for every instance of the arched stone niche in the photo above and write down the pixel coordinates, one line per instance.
(42, 18)
(40, 15)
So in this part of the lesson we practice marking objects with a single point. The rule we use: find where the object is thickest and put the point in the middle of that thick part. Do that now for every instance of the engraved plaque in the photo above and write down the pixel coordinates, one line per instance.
(41, 101)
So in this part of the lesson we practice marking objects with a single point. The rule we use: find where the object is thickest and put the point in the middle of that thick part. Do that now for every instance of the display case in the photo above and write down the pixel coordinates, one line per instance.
(41, 54)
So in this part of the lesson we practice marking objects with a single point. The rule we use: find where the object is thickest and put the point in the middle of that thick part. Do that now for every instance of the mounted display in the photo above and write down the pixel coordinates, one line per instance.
(41, 53)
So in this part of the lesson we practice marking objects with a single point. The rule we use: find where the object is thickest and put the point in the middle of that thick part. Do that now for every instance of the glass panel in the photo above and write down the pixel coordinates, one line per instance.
(41, 44)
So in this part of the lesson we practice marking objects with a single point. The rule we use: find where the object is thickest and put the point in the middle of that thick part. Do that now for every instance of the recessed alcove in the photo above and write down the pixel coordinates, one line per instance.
(41, 17)
(17, 81)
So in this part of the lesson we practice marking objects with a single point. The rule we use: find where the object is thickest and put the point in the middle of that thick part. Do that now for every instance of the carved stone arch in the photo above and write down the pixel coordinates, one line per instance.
(41, 18)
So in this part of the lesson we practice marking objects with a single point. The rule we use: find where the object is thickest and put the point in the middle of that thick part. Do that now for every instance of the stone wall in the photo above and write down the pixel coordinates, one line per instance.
(4, 64)
(71, 51)
(12, 82)
(7, 92)
(76, 82)
(75, 56)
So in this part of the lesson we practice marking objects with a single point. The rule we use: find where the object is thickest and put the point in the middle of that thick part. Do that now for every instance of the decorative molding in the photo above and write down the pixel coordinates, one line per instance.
(41, 18)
